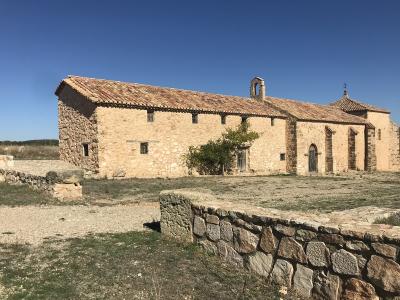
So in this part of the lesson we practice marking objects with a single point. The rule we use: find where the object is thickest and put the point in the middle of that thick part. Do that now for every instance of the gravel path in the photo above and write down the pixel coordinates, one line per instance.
(35, 224)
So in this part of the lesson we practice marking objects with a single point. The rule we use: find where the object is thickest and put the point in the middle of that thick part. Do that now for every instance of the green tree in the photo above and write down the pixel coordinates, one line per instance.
(216, 157)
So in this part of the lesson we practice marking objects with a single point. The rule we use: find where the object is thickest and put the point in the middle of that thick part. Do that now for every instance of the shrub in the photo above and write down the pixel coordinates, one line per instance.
(216, 157)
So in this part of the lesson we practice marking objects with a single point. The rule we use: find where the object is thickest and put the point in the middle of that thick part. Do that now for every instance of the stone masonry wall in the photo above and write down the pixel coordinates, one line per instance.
(314, 133)
(382, 123)
(77, 125)
(370, 149)
(121, 130)
(394, 146)
(323, 261)
(291, 146)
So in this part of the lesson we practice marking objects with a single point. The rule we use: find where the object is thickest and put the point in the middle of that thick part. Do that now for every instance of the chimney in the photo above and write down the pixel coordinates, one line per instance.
(257, 88)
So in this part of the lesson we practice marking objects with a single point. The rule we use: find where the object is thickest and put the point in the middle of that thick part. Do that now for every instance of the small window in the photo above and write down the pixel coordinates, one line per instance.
(223, 119)
(85, 148)
(283, 156)
(272, 121)
(244, 119)
(195, 118)
(379, 134)
(150, 116)
(144, 148)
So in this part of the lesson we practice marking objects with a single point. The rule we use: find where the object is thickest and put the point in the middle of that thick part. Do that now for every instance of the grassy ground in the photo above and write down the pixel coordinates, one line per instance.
(282, 192)
(324, 194)
(393, 219)
(123, 266)
(30, 151)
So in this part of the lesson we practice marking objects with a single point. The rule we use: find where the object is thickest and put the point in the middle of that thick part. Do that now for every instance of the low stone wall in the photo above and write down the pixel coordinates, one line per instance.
(323, 261)
(63, 185)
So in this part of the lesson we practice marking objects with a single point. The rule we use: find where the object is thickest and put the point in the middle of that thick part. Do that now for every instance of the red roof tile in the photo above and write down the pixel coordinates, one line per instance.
(349, 105)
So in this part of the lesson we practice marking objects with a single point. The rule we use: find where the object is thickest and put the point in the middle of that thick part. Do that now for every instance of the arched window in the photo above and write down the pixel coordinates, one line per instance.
(313, 159)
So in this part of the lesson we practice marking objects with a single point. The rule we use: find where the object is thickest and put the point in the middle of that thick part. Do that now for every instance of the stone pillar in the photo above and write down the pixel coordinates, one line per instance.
(370, 154)
(291, 145)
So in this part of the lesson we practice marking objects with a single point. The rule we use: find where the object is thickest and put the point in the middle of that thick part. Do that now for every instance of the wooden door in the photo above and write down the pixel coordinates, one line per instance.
(313, 159)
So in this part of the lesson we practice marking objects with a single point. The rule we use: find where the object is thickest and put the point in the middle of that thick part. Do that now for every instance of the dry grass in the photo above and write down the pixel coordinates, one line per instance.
(30, 151)
(282, 192)
(123, 266)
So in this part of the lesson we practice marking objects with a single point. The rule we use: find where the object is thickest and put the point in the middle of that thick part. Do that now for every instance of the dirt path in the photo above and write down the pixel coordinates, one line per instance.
(35, 224)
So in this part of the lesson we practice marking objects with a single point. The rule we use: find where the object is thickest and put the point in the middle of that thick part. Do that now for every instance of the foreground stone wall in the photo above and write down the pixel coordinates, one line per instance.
(63, 186)
(323, 261)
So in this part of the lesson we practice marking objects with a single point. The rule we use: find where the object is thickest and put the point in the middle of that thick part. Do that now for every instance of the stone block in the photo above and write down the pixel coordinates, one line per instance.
(385, 273)
(268, 241)
(244, 241)
(326, 287)
(357, 246)
(260, 263)
(199, 226)
(318, 254)
(385, 250)
(208, 246)
(356, 289)
(305, 235)
(212, 219)
(213, 232)
(303, 281)
(344, 262)
(227, 253)
(282, 273)
(285, 230)
(289, 248)
(334, 239)
(226, 231)
(63, 191)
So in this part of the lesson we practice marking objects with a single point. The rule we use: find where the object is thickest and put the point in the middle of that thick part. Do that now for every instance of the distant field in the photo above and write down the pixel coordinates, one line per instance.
(29, 151)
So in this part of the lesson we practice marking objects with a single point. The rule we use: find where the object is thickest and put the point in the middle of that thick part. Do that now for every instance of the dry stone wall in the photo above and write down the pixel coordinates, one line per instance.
(394, 147)
(314, 260)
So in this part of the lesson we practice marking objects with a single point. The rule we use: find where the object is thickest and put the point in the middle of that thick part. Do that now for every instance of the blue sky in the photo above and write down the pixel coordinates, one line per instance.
(303, 49)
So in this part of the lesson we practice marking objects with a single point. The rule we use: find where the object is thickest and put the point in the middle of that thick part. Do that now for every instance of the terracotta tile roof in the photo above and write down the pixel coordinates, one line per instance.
(349, 105)
(314, 112)
(102, 91)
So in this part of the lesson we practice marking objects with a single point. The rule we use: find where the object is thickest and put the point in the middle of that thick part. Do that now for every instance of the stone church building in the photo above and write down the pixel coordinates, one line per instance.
(119, 129)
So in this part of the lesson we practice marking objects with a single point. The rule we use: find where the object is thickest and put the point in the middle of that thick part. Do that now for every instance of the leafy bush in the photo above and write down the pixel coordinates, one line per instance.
(216, 157)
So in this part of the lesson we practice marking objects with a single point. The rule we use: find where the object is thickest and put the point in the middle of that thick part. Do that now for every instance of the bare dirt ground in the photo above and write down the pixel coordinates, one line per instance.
(35, 224)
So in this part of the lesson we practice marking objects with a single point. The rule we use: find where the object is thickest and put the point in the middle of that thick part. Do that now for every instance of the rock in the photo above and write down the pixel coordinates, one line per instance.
(244, 241)
(199, 226)
(305, 235)
(282, 273)
(291, 249)
(331, 238)
(2, 178)
(260, 263)
(268, 241)
(326, 287)
(64, 191)
(357, 246)
(226, 231)
(384, 273)
(247, 225)
(229, 254)
(213, 232)
(303, 281)
(212, 219)
(385, 250)
(208, 246)
(119, 173)
(356, 289)
(285, 230)
(361, 260)
(318, 254)
(344, 262)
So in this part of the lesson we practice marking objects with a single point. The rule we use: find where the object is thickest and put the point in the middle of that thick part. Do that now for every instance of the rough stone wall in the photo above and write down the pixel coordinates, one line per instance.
(77, 125)
(352, 149)
(381, 121)
(61, 186)
(291, 145)
(315, 260)
(394, 145)
(314, 133)
(370, 149)
(121, 130)
(328, 150)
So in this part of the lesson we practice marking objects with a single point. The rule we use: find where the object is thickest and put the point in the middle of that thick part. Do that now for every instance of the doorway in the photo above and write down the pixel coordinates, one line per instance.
(241, 160)
(313, 159)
